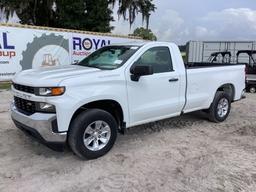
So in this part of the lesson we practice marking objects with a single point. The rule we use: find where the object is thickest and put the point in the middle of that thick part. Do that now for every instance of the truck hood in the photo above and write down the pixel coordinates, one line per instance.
(51, 76)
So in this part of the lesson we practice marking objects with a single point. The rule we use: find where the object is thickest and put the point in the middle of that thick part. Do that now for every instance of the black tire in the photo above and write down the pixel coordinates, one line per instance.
(213, 110)
(252, 89)
(78, 127)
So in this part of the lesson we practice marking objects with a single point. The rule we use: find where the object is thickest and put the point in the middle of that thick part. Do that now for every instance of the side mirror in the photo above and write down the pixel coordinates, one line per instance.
(139, 71)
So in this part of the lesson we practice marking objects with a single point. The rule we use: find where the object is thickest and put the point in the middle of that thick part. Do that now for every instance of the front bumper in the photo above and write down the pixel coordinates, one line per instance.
(40, 127)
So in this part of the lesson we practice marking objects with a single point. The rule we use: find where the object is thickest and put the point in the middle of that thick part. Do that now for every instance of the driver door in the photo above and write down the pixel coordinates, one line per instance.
(155, 96)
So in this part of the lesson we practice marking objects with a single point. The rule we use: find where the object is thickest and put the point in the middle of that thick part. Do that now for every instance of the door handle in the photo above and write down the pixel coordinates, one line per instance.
(173, 79)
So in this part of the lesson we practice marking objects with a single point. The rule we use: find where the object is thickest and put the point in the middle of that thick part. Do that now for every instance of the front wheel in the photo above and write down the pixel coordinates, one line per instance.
(220, 107)
(92, 133)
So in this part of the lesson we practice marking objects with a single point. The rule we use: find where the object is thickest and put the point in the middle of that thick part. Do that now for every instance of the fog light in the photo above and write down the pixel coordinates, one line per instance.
(46, 107)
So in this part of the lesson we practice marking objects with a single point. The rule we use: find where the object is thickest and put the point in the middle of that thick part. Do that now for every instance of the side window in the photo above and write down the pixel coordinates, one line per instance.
(159, 58)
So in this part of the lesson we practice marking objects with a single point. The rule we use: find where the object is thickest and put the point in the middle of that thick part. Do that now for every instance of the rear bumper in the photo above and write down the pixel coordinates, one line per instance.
(40, 127)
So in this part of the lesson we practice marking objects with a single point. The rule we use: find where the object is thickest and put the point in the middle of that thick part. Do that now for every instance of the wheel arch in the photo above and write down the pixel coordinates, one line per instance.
(228, 88)
(111, 106)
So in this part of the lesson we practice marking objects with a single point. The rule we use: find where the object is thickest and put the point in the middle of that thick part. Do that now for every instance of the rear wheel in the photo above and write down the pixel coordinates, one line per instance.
(92, 133)
(220, 107)
(252, 90)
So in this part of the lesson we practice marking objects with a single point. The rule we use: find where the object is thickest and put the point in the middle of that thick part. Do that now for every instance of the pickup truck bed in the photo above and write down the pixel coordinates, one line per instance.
(206, 64)
(201, 75)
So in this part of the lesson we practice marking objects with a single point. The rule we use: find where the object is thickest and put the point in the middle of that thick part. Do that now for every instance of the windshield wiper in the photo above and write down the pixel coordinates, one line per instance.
(92, 66)
(98, 66)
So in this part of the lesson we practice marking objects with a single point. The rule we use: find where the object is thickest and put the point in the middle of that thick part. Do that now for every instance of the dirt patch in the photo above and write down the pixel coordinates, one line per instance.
(183, 154)
(249, 130)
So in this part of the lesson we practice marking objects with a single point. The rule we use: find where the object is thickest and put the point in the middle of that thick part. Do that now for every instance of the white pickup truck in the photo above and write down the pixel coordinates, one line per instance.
(84, 105)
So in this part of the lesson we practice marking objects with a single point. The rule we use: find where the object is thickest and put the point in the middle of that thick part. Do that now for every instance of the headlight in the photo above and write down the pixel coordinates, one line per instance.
(45, 107)
(50, 91)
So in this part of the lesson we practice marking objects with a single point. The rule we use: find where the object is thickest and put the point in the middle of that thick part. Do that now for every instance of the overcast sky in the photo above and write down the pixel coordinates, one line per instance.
(183, 20)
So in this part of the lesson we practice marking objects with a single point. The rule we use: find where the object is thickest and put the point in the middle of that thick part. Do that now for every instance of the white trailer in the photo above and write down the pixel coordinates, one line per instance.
(25, 47)
(200, 51)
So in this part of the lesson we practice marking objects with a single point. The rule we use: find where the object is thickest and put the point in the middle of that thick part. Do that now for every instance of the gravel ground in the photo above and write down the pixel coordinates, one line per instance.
(182, 154)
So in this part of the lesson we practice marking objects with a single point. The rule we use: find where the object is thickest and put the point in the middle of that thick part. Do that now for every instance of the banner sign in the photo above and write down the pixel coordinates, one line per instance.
(26, 48)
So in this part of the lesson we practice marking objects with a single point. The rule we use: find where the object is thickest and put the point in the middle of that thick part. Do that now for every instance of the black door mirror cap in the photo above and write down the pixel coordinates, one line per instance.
(139, 71)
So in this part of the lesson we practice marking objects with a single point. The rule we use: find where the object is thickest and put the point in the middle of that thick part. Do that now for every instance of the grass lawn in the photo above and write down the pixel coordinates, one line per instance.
(5, 85)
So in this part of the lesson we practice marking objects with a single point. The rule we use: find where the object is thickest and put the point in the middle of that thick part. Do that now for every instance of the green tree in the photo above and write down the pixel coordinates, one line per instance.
(34, 12)
(133, 7)
(79, 14)
(99, 16)
(84, 15)
(146, 34)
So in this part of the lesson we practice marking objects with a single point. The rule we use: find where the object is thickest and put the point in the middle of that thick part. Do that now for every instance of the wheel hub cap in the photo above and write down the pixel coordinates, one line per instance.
(222, 108)
(96, 135)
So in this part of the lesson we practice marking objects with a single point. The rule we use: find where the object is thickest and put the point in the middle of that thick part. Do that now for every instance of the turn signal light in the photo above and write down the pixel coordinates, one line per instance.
(58, 91)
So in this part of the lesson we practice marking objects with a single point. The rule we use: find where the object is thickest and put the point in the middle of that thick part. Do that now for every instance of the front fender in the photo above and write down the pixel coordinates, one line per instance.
(74, 98)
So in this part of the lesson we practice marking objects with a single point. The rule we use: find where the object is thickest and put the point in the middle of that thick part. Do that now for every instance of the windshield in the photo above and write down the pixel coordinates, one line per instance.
(109, 57)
